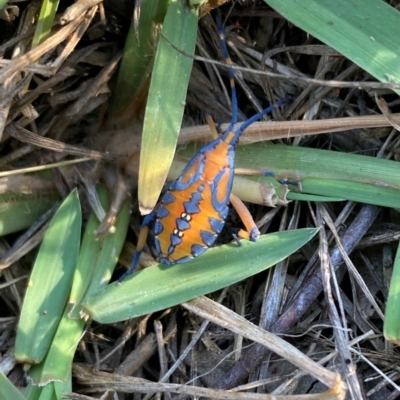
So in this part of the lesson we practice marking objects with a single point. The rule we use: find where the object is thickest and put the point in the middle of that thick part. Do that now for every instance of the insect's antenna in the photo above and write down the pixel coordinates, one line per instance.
(230, 73)
(256, 117)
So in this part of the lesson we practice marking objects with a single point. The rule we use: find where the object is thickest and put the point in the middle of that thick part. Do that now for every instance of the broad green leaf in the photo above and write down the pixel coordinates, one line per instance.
(366, 32)
(50, 283)
(159, 287)
(166, 101)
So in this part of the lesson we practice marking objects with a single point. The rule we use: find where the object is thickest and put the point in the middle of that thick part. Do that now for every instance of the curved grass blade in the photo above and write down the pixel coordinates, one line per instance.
(159, 287)
(50, 282)
(365, 31)
(166, 101)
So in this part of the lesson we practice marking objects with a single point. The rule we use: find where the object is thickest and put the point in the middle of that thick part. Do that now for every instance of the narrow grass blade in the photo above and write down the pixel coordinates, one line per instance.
(19, 212)
(365, 31)
(322, 172)
(2, 3)
(8, 390)
(159, 287)
(355, 191)
(391, 327)
(166, 101)
(138, 55)
(45, 21)
(50, 282)
(328, 173)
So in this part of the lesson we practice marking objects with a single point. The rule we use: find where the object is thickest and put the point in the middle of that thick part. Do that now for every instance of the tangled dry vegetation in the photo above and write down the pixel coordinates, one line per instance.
(56, 110)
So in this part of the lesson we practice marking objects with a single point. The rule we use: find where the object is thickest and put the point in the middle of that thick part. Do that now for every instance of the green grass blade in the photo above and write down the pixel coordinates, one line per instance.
(98, 258)
(166, 101)
(58, 362)
(138, 55)
(322, 172)
(159, 287)
(52, 391)
(328, 173)
(8, 390)
(366, 32)
(355, 191)
(391, 327)
(27, 208)
(45, 21)
(50, 282)
(96, 262)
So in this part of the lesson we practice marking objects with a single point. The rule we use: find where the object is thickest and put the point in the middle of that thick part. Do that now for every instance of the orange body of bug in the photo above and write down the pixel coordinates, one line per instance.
(193, 211)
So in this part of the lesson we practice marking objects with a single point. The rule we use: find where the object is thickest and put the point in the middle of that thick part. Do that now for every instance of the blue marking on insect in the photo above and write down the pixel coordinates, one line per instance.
(176, 237)
(162, 212)
(170, 251)
(201, 188)
(219, 205)
(182, 224)
(197, 250)
(208, 237)
(191, 206)
(181, 183)
(168, 198)
(216, 225)
(223, 214)
(180, 261)
(158, 227)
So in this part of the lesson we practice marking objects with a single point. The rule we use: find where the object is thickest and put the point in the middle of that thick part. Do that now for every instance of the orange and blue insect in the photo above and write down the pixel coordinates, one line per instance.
(192, 212)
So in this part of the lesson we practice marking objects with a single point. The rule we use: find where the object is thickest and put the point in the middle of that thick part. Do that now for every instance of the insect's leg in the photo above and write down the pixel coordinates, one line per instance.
(144, 231)
(259, 172)
(251, 233)
(211, 125)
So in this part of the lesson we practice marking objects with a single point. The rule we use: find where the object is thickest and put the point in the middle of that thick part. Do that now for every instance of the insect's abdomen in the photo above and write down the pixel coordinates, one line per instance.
(193, 211)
